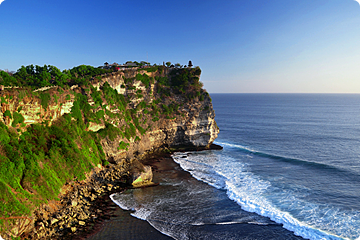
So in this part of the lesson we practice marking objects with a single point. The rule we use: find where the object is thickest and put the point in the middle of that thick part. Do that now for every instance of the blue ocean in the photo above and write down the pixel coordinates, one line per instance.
(289, 169)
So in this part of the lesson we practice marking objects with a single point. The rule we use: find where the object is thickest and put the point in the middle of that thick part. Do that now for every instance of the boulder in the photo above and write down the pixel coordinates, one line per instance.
(143, 177)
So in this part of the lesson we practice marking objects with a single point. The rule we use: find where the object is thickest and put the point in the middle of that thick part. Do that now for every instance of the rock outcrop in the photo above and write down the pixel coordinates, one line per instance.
(131, 112)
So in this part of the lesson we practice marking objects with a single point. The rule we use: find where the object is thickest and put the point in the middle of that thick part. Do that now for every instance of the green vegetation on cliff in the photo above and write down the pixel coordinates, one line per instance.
(35, 164)
(37, 76)
(36, 160)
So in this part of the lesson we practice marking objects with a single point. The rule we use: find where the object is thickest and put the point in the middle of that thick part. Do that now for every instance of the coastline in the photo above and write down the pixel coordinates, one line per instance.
(113, 222)
(110, 214)
(119, 224)
(116, 223)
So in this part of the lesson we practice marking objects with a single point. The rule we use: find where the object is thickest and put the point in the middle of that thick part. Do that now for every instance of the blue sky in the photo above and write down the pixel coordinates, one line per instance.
(276, 46)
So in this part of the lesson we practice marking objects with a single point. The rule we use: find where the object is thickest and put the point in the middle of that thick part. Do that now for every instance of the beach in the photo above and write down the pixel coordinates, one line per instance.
(117, 223)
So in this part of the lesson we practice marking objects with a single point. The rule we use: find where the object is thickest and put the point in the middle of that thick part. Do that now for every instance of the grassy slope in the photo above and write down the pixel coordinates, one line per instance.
(36, 163)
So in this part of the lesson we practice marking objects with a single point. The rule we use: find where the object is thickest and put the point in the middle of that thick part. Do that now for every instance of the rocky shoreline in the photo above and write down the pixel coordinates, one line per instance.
(79, 206)
(83, 205)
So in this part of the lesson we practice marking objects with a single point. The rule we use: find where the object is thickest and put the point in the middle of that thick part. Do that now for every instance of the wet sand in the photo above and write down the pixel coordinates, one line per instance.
(123, 226)
(119, 224)
(116, 223)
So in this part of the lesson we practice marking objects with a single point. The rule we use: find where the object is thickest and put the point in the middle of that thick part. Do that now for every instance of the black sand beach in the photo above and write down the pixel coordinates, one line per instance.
(119, 224)
(123, 226)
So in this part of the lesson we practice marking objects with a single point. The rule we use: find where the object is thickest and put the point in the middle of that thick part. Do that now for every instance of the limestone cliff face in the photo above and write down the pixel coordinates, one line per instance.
(197, 128)
(61, 134)
(28, 104)
(191, 125)
(194, 126)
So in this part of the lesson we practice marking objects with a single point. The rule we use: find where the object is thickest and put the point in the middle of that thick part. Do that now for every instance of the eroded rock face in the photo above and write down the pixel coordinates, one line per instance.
(30, 106)
(197, 128)
(192, 126)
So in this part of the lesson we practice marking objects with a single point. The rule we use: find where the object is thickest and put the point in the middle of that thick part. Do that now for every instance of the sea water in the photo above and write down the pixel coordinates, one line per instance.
(290, 162)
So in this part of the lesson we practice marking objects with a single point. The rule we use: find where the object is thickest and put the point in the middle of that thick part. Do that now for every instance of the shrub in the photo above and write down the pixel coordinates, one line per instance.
(18, 118)
(7, 113)
(150, 69)
(142, 105)
(56, 98)
(112, 97)
(123, 145)
(3, 100)
(109, 131)
(162, 80)
(145, 79)
(96, 96)
(100, 115)
(7, 80)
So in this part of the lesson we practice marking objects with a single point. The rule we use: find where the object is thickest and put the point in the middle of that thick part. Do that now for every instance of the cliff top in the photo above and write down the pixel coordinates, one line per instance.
(49, 76)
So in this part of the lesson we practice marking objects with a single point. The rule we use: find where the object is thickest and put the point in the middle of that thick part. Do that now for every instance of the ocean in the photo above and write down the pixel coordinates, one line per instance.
(290, 167)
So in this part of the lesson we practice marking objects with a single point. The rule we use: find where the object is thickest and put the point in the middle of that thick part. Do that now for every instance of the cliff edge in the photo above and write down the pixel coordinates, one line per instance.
(57, 138)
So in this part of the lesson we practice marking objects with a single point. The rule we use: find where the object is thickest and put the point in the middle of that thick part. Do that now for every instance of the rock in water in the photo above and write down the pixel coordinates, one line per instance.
(143, 178)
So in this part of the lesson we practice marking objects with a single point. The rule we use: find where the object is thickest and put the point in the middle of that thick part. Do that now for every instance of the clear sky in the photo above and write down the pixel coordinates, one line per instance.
(276, 46)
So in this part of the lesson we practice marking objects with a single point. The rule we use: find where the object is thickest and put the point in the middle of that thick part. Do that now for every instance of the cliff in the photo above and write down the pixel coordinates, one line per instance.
(53, 136)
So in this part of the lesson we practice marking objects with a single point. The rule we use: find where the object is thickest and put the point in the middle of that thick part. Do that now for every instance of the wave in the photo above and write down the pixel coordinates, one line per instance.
(231, 223)
(265, 208)
(250, 192)
(295, 161)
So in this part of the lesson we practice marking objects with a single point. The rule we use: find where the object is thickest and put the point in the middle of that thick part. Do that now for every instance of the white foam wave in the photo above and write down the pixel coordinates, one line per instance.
(236, 146)
(121, 204)
(249, 192)
(141, 213)
(200, 171)
(262, 207)
(226, 223)
(258, 223)
(126, 202)
(229, 223)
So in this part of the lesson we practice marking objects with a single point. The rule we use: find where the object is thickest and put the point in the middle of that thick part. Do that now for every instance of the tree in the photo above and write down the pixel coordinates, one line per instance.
(59, 78)
(6, 79)
(168, 64)
(177, 65)
(190, 64)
